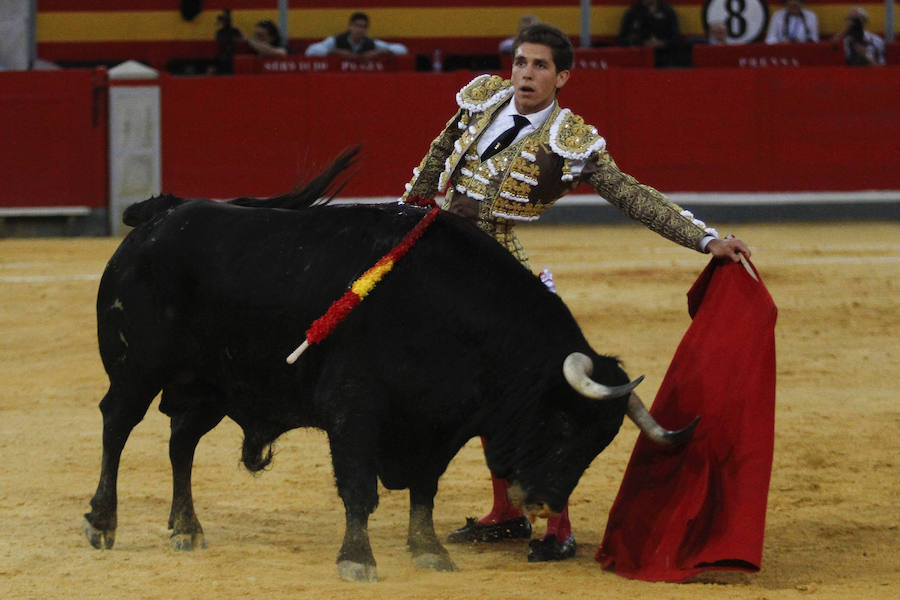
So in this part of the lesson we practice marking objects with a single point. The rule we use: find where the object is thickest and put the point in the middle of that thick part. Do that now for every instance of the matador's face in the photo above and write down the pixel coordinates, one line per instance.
(535, 78)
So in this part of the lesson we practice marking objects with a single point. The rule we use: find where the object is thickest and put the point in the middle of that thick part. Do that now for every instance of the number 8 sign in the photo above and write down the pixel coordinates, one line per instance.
(745, 20)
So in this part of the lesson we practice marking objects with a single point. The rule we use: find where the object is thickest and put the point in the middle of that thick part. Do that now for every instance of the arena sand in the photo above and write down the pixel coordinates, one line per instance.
(834, 503)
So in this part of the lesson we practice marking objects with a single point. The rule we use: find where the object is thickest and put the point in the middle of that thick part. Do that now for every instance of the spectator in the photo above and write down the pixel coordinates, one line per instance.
(354, 42)
(861, 46)
(717, 34)
(793, 24)
(266, 40)
(525, 21)
(652, 23)
(227, 36)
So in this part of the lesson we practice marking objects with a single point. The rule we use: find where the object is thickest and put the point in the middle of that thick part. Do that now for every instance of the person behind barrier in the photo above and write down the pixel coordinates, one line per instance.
(266, 40)
(355, 42)
(861, 46)
(524, 21)
(717, 34)
(508, 154)
(652, 23)
(793, 23)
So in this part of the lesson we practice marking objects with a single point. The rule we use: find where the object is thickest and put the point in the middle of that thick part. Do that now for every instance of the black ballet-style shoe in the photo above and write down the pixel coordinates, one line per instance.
(472, 531)
(551, 549)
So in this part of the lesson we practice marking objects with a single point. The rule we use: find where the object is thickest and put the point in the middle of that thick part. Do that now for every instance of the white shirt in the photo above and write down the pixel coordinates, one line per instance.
(804, 29)
(504, 120)
(325, 47)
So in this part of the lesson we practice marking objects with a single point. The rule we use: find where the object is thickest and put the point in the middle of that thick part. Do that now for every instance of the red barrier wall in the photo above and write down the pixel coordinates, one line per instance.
(53, 128)
(256, 134)
(703, 130)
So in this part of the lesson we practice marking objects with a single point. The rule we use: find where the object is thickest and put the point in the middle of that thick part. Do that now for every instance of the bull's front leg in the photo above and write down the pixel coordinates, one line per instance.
(427, 551)
(357, 483)
(355, 560)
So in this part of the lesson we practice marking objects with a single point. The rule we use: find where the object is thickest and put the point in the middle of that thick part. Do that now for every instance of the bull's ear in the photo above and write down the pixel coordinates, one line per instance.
(577, 369)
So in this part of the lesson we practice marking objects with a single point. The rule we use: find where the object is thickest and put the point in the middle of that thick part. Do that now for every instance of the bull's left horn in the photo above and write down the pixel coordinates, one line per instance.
(577, 369)
(638, 413)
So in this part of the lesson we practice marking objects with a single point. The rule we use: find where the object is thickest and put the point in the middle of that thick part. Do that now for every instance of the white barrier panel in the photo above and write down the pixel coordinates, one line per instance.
(134, 140)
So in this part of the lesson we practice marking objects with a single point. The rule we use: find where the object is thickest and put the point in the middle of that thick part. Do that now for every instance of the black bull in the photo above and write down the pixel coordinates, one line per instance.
(205, 300)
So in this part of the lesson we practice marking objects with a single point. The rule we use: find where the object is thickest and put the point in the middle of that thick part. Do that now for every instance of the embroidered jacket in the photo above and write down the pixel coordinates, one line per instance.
(522, 181)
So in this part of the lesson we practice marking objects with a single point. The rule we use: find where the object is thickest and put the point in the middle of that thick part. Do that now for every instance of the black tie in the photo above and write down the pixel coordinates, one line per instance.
(505, 139)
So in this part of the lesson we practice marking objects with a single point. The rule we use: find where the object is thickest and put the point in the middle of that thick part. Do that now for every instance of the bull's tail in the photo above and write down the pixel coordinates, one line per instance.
(321, 189)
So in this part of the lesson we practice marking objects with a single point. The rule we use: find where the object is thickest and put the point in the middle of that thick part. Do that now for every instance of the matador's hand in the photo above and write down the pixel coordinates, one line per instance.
(731, 248)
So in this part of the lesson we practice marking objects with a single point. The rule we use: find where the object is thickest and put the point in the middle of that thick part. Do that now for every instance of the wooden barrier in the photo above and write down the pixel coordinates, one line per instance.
(701, 130)
(604, 58)
(54, 126)
(321, 64)
(769, 55)
(599, 59)
(892, 53)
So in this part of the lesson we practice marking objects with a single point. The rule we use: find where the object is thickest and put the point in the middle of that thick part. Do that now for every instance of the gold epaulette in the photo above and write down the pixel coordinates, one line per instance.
(572, 138)
(484, 92)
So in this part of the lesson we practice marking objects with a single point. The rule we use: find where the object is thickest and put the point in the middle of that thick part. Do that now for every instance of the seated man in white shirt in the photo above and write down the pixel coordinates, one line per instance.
(354, 42)
(793, 23)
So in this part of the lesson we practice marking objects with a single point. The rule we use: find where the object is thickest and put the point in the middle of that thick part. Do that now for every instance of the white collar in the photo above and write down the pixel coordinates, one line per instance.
(535, 119)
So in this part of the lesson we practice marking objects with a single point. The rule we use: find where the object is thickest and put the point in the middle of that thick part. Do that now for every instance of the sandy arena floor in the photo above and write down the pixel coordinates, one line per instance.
(834, 504)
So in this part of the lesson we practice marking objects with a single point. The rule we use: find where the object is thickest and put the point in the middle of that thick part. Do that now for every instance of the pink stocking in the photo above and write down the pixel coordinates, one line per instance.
(559, 526)
(503, 509)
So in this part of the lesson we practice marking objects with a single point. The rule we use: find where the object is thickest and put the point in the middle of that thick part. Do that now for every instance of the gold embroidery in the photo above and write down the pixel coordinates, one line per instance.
(482, 90)
(529, 169)
(518, 189)
(532, 145)
(644, 204)
(575, 136)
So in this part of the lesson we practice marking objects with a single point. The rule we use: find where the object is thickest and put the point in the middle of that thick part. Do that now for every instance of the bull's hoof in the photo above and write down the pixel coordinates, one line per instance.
(354, 571)
(102, 540)
(185, 542)
(436, 562)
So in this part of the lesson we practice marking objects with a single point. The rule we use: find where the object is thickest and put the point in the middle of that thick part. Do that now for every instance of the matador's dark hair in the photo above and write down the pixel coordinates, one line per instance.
(547, 35)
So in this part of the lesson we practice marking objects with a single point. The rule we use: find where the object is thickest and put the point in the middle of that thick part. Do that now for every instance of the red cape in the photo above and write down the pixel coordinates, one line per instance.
(702, 505)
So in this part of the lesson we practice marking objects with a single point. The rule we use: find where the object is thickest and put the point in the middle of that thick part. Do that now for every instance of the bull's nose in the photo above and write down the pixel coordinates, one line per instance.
(534, 508)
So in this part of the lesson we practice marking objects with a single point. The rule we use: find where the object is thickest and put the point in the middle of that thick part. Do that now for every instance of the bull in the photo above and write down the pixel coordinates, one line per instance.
(204, 300)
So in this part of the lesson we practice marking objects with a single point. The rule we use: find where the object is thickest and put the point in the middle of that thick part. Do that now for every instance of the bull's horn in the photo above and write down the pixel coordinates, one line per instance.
(638, 413)
(577, 369)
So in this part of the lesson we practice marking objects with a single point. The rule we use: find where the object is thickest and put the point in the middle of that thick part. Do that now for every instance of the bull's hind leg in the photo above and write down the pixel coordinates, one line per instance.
(427, 551)
(187, 429)
(122, 410)
(357, 481)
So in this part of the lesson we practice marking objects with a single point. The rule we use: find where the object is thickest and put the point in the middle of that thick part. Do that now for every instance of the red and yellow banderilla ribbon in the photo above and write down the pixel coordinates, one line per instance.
(340, 308)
